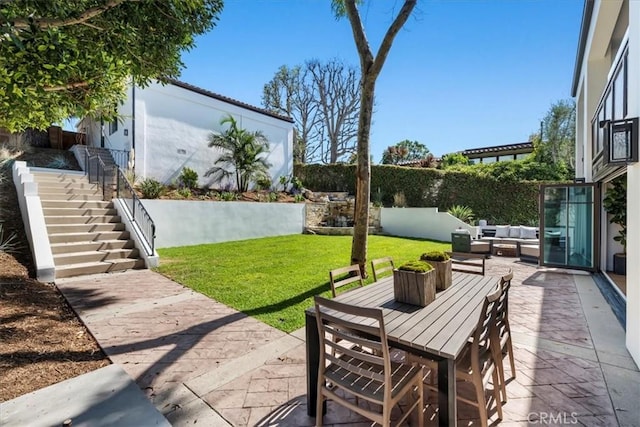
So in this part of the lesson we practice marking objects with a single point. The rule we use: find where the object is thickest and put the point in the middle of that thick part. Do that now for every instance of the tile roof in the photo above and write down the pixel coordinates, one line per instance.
(228, 100)
(499, 148)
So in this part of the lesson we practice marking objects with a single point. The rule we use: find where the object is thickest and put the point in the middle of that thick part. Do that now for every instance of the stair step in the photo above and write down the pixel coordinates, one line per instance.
(77, 219)
(76, 212)
(88, 237)
(70, 186)
(52, 177)
(84, 228)
(76, 204)
(98, 267)
(97, 196)
(103, 245)
(94, 256)
(60, 190)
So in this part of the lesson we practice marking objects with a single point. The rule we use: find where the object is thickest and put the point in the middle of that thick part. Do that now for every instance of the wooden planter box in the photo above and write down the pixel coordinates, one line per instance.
(443, 274)
(414, 288)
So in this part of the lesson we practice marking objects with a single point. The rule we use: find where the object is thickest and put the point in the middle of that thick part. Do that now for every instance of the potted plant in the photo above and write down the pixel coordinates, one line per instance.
(441, 261)
(414, 282)
(615, 203)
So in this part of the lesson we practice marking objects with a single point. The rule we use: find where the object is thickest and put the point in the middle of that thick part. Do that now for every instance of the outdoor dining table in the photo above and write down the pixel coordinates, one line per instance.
(438, 331)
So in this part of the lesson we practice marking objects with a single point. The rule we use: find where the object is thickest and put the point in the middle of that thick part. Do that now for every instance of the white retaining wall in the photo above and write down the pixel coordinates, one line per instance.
(183, 223)
(33, 219)
(426, 223)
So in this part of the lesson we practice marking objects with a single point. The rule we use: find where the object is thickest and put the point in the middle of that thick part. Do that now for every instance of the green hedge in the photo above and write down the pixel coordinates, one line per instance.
(499, 201)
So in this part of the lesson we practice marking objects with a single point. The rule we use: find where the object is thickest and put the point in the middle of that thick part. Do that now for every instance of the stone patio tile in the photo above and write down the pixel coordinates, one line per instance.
(558, 402)
(600, 421)
(597, 405)
(237, 417)
(584, 389)
(265, 398)
(225, 399)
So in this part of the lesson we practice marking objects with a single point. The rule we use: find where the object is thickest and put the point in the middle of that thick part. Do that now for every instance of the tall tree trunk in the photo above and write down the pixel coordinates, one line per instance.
(363, 178)
(370, 67)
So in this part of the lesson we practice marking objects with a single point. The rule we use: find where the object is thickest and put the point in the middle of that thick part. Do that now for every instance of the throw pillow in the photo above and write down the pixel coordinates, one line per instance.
(528, 232)
(514, 232)
(502, 231)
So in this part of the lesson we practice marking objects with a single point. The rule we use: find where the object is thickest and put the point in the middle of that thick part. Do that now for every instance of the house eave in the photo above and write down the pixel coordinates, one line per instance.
(587, 13)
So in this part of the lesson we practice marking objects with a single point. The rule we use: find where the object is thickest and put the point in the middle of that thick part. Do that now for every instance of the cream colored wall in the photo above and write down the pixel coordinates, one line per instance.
(633, 193)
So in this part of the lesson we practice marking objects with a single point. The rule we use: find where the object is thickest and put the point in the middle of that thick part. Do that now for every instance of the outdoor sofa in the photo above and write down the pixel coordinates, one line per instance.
(519, 235)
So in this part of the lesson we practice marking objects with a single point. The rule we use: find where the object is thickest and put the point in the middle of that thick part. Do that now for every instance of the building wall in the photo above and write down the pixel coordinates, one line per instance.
(610, 21)
(172, 125)
(633, 190)
(172, 129)
(426, 223)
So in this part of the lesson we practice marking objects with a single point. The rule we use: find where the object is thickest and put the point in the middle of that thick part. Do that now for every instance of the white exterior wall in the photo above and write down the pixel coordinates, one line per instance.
(633, 192)
(425, 223)
(173, 125)
(593, 78)
(184, 223)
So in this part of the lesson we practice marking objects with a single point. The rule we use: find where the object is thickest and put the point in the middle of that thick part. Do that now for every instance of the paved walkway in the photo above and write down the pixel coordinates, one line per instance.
(203, 363)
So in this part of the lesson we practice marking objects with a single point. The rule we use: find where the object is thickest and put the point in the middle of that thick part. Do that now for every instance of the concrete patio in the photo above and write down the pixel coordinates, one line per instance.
(201, 362)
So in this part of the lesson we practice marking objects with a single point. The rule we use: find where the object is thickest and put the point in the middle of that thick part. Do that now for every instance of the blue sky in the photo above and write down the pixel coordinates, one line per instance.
(461, 74)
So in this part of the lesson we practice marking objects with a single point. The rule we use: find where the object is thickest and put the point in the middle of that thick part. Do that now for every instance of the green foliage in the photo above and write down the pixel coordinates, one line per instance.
(184, 192)
(404, 151)
(263, 183)
(73, 58)
(273, 197)
(189, 178)
(557, 143)
(499, 200)
(463, 213)
(439, 256)
(417, 266)
(615, 203)
(59, 162)
(151, 189)
(454, 159)
(302, 261)
(298, 198)
(228, 196)
(243, 151)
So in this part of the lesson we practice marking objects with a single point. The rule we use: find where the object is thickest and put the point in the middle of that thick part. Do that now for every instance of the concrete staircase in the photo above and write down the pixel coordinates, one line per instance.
(85, 232)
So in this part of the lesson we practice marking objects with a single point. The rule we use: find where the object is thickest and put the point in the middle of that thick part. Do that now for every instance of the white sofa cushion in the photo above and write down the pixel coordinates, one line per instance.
(527, 232)
(514, 231)
(502, 231)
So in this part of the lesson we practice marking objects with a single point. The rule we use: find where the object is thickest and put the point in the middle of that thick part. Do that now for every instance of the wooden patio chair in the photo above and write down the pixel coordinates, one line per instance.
(381, 265)
(504, 332)
(467, 262)
(343, 276)
(477, 362)
(355, 372)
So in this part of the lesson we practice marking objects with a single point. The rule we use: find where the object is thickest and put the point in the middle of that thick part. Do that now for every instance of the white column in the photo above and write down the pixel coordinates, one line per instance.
(633, 192)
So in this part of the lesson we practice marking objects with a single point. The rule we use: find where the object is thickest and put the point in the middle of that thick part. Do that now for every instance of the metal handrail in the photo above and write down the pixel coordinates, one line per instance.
(137, 211)
(120, 157)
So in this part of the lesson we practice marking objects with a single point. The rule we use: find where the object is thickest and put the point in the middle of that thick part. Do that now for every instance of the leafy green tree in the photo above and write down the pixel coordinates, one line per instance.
(243, 151)
(370, 67)
(558, 140)
(454, 159)
(68, 58)
(404, 151)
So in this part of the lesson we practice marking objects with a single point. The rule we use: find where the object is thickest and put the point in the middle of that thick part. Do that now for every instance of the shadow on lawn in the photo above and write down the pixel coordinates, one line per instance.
(297, 299)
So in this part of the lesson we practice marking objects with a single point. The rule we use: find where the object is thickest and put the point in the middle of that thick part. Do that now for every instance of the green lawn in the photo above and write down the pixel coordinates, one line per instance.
(274, 279)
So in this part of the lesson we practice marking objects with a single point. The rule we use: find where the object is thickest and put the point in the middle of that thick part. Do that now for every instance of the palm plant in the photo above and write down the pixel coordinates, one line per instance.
(243, 151)
(463, 213)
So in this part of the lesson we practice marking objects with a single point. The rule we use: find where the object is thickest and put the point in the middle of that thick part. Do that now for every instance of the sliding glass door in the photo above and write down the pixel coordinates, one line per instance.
(567, 226)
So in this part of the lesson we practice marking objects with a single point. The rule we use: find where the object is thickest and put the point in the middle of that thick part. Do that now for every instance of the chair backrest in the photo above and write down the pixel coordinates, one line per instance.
(502, 304)
(381, 265)
(351, 274)
(362, 326)
(468, 262)
(460, 242)
(484, 332)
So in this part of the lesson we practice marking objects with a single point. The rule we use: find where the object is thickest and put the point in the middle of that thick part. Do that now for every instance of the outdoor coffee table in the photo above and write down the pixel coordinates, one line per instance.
(505, 249)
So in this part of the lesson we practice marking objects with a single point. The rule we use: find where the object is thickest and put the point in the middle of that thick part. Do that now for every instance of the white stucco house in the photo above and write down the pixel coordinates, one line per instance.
(606, 85)
(166, 127)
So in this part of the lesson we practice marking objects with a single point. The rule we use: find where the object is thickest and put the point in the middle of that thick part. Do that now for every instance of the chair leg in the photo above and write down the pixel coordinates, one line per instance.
(511, 358)
(501, 382)
(482, 402)
(496, 393)
(319, 404)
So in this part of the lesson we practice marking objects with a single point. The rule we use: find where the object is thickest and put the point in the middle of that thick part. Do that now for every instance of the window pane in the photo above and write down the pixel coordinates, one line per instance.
(489, 160)
(618, 96)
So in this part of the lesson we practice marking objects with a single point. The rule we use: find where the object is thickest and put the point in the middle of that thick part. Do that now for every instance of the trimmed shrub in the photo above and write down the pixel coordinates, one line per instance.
(189, 178)
(151, 189)
(439, 256)
(416, 266)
